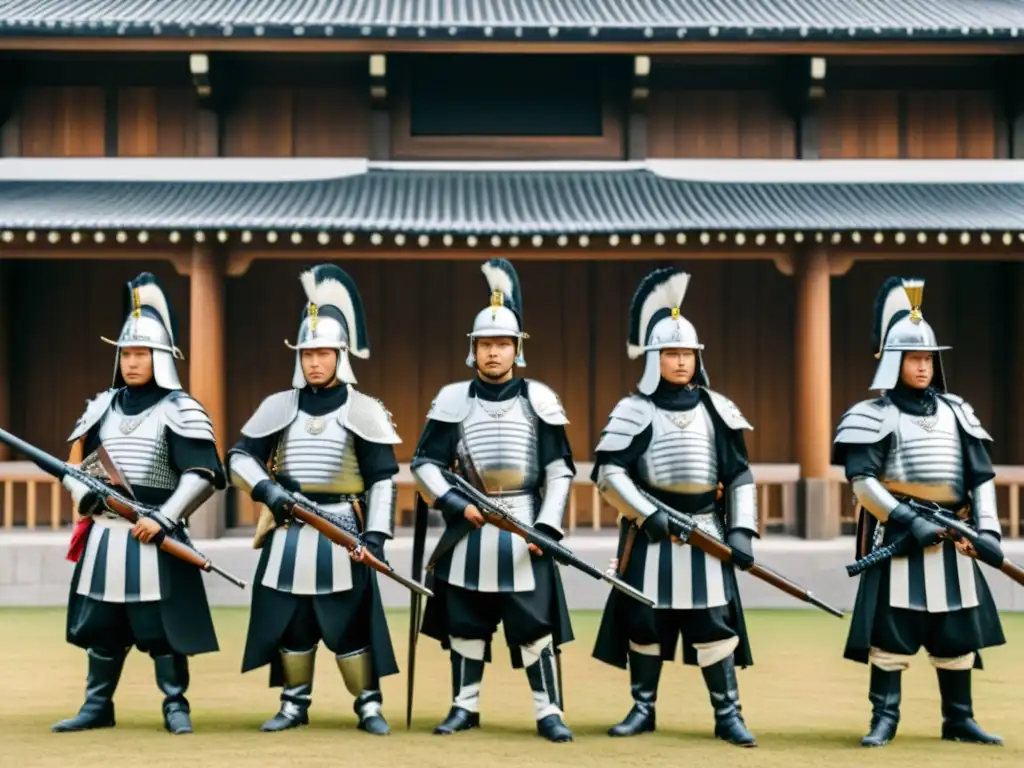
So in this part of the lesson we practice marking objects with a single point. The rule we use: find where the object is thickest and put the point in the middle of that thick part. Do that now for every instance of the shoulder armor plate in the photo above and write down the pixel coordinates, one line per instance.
(630, 416)
(274, 414)
(367, 417)
(968, 419)
(94, 411)
(867, 422)
(727, 409)
(187, 417)
(545, 403)
(452, 403)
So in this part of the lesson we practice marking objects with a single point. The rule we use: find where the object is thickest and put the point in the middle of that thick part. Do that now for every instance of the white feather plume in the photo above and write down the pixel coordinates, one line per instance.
(497, 280)
(151, 296)
(895, 301)
(330, 292)
(668, 295)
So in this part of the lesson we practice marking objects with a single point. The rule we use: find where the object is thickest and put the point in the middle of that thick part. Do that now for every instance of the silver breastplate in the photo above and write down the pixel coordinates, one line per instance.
(925, 457)
(681, 457)
(138, 446)
(498, 446)
(317, 454)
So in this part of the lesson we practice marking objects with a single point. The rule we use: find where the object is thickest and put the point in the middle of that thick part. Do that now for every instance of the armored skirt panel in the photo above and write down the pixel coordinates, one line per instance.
(115, 568)
(498, 453)
(681, 462)
(925, 462)
(315, 456)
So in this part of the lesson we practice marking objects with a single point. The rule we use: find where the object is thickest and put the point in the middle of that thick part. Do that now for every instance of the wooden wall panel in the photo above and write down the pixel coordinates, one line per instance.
(718, 123)
(967, 303)
(58, 359)
(157, 122)
(64, 121)
(315, 121)
(917, 124)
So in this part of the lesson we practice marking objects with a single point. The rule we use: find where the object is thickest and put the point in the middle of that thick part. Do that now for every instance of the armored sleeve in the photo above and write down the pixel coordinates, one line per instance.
(980, 477)
(436, 451)
(378, 467)
(559, 471)
(247, 461)
(735, 476)
(863, 462)
(201, 474)
(613, 473)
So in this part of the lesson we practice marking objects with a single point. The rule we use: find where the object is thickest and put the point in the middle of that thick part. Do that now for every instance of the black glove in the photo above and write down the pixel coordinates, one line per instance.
(91, 504)
(989, 549)
(739, 540)
(277, 499)
(374, 542)
(656, 526)
(924, 532)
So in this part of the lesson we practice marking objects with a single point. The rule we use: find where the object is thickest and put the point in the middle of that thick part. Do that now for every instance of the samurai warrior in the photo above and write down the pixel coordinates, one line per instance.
(917, 442)
(333, 444)
(506, 436)
(125, 591)
(680, 442)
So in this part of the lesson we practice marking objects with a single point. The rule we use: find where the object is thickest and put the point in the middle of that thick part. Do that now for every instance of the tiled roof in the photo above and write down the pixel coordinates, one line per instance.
(428, 200)
(520, 19)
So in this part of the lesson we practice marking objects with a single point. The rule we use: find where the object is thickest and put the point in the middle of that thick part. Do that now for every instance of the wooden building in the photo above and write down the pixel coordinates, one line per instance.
(790, 157)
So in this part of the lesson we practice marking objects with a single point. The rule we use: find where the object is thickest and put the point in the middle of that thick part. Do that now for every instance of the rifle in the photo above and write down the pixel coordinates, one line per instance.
(497, 514)
(128, 508)
(955, 529)
(338, 531)
(685, 528)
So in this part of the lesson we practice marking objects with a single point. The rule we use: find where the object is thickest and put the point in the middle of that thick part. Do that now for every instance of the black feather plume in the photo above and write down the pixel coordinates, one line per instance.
(153, 297)
(892, 287)
(502, 276)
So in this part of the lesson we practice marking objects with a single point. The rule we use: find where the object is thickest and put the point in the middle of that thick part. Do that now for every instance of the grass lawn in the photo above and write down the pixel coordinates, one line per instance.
(806, 705)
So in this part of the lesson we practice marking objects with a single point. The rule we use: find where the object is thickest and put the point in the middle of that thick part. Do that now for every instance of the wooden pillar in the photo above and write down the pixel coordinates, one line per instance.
(5, 367)
(207, 376)
(816, 517)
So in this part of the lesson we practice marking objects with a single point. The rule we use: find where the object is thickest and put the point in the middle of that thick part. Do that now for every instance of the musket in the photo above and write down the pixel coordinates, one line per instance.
(130, 509)
(339, 532)
(685, 528)
(955, 529)
(495, 513)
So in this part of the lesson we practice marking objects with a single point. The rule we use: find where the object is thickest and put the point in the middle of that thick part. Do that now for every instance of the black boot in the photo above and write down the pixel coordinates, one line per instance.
(957, 711)
(98, 710)
(172, 679)
(885, 695)
(297, 693)
(542, 675)
(725, 698)
(467, 675)
(368, 708)
(644, 673)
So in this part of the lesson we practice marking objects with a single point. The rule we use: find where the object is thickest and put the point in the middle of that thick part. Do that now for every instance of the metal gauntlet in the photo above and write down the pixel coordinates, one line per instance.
(742, 504)
(557, 487)
(245, 472)
(192, 491)
(380, 508)
(619, 490)
(873, 497)
(983, 504)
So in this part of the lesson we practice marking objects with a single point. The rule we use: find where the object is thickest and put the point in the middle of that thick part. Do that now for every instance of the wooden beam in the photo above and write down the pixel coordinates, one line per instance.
(5, 362)
(239, 261)
(802, 94)
(181, 257)
(207, 375)
(273, 45)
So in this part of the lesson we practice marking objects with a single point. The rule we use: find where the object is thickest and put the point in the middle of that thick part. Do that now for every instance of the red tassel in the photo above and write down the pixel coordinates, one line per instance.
(78, 538)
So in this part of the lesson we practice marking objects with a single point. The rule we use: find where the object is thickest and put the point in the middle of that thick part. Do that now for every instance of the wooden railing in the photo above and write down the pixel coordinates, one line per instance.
(33, 500)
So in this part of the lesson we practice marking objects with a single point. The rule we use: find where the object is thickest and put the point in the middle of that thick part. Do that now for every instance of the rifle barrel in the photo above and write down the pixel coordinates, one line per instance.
(626, 588)
(224, 574)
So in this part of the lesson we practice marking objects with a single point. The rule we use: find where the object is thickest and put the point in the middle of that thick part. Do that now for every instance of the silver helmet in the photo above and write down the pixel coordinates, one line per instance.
(333, 318)
(900, 327)
(150, 324)
(504, 316)
(655, 323)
